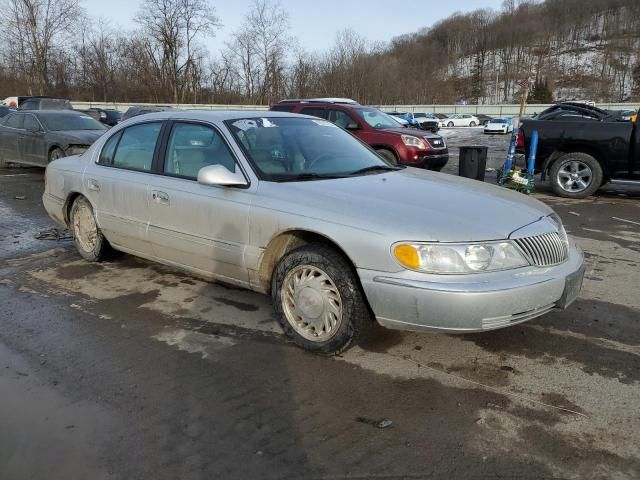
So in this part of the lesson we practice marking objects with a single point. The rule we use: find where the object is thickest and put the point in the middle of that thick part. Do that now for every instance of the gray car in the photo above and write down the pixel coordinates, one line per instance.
(294, 207)
(39, 137)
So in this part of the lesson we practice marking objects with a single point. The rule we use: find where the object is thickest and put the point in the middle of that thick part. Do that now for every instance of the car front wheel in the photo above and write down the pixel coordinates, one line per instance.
(319, 300)
(55, 154)
(576, 175)
(388, 155)
(472, 124)
(450, 124)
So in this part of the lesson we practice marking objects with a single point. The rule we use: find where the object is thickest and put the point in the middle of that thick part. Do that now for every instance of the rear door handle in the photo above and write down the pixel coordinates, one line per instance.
(93, 185)
(160, 197)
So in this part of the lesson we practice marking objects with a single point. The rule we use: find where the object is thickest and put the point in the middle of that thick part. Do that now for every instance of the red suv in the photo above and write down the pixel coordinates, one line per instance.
(408, 146)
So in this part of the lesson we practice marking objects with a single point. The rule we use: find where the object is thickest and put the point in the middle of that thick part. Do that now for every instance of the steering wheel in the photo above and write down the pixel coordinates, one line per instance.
(321, 158)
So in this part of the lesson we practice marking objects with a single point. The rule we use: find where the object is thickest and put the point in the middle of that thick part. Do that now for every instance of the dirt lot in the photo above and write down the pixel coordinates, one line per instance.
(127, 370)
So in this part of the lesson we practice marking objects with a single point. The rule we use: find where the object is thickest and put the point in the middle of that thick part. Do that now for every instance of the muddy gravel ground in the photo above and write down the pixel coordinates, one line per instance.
(131, 370)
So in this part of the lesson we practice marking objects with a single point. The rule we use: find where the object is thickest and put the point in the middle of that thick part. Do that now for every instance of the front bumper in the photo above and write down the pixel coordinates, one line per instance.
(430, 161)
(471, 303)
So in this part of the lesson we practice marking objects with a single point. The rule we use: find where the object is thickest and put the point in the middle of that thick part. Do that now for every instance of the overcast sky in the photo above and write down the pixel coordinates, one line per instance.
(315, 22)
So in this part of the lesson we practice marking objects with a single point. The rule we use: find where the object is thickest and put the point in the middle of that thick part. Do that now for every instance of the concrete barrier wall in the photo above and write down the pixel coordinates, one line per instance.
(493, 110)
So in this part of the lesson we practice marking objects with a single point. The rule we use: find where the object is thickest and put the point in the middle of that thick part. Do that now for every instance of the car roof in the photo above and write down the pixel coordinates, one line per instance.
(57, 112)
(215, 115)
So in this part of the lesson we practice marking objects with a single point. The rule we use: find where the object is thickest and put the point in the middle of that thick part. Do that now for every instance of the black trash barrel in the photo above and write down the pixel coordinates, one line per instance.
(473, 162)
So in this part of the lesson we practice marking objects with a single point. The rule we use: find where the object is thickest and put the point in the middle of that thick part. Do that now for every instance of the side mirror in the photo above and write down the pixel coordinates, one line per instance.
(219, 175)
(34, 130)
(352, 126)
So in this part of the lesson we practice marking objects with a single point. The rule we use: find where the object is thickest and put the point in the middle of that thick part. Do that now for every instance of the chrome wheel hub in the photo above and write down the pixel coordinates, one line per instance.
(85, 229)
(575, 176)
(311, 303)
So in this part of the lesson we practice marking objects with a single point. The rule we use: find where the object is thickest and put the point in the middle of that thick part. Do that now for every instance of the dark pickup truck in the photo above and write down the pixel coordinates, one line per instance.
(581, 148)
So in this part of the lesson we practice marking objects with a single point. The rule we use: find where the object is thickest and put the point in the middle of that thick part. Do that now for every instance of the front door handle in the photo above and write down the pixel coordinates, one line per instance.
(93, 185)
(160, 197)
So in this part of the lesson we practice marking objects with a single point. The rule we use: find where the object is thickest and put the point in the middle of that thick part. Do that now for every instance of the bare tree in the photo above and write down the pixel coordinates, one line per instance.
(37, 29)
(259, 49)
(172, 27)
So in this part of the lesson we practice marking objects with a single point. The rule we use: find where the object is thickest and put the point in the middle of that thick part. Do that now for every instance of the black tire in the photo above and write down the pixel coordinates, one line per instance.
(472, 124)
(55, 154)
(388, 155)
(450, 124)
(356, 317)
(101, 247)
(563, 162)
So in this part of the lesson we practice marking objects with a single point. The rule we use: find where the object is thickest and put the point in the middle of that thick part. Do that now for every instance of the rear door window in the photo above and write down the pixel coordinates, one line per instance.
(283, 108)
(314, 112)
(137, 146)
(15, 120)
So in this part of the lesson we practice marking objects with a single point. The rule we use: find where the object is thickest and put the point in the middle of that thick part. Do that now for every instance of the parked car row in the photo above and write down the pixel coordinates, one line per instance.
(418, 120)
(37, 130)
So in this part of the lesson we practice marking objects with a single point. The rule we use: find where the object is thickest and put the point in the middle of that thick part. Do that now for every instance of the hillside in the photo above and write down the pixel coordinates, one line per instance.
(584, 48)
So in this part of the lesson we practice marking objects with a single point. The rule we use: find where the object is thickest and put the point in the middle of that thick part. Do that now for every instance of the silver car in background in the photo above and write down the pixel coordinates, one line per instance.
(295, 207)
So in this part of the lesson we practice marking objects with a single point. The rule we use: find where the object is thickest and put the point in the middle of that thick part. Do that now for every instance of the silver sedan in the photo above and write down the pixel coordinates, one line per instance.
(295, 207)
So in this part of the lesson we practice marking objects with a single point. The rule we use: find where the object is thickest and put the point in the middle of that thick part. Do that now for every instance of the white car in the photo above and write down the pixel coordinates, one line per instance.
(460, 120)
(499, 125)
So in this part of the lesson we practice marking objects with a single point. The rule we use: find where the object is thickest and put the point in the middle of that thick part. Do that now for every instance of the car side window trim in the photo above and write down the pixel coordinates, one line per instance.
(37, 121)
(165, 145)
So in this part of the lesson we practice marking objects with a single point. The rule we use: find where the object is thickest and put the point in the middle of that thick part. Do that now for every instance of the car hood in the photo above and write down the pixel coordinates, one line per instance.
(411, 131)
(80, 137)
(410, 204)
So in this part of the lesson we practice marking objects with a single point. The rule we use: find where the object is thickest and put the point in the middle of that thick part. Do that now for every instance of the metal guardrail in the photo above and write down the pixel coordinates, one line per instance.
(494, 110)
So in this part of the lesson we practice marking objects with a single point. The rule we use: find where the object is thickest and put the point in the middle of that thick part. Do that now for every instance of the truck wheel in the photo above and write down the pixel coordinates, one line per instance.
(90, 242)
(576, 175)
(319, 300)
(388, 155)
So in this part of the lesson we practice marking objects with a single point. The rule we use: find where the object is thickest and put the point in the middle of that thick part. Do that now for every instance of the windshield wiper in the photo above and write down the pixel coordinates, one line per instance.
(305, 176)
(376, 168)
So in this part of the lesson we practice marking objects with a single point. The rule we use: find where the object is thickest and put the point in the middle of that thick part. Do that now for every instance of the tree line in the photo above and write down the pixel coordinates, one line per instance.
(575, 48)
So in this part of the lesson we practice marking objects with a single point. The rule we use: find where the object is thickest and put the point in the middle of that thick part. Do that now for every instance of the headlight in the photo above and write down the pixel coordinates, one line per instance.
(411, 141)
(448, 258)
(557, 222)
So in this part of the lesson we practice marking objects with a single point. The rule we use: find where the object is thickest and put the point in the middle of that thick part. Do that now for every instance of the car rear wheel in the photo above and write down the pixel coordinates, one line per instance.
(576, 175)
(89, 240)
(388, 155)
(450, 124)
(319, 300)
(55, 154)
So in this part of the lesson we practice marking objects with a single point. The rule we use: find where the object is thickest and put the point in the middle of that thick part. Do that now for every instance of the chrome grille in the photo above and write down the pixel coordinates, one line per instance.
(436, 143)
(544, 250)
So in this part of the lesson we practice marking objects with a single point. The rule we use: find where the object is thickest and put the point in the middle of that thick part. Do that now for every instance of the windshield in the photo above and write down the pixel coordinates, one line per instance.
(286, 149)
(377, 119)
(58, 122)
(498, 120)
